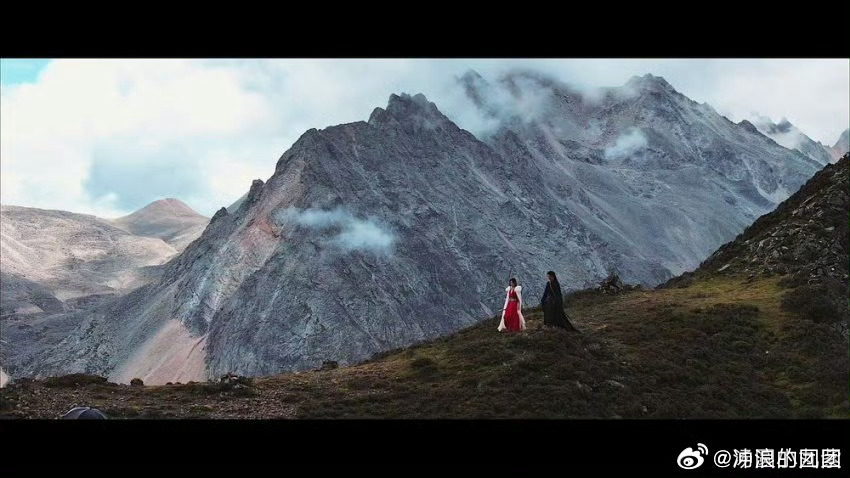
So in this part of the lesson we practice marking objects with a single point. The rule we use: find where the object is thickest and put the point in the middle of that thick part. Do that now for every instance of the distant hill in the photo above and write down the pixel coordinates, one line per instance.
(56, 262)
(168, 219)
(74, 255)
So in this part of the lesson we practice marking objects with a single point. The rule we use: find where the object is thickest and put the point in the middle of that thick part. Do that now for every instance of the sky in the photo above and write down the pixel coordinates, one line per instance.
(108, 136)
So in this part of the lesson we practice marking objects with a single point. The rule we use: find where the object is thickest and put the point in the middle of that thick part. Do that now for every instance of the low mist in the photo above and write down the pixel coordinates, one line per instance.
(353, 233)
(626, 145)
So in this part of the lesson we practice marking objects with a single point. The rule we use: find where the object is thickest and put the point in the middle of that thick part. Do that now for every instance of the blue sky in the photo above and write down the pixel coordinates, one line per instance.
(18, 70)
(108, 136)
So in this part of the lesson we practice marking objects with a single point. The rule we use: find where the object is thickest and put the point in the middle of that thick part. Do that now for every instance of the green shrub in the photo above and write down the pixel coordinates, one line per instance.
(422, 363)
(819, 303)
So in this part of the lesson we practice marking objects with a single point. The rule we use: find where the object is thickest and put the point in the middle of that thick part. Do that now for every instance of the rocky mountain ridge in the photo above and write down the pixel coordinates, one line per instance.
(382, 233)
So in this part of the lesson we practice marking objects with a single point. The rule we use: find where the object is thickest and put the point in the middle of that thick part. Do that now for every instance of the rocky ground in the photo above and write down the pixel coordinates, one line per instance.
(806, 241)
(806, 236)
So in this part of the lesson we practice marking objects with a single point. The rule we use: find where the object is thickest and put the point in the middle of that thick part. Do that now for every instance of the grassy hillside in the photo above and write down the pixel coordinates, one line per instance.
(720, 347)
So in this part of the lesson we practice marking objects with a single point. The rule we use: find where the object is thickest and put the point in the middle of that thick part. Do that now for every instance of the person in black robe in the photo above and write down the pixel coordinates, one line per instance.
(552, 303)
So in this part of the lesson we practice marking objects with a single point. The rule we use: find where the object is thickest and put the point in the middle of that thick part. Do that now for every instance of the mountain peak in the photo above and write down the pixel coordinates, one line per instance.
(766, 124)
(477, 89)
(650, 81)
(406, 104)
(405, 108)
(169, 219)
(471, 76)
(219, 214)
(783, 126)
(749, 126)
(785, 134)
(783, 121)
(167, 206)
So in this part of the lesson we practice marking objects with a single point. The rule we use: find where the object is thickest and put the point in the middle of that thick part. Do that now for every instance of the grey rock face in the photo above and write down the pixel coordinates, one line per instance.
(652, 175)
(24, 297)
(378, 234)
(842, 146)
(26, 337)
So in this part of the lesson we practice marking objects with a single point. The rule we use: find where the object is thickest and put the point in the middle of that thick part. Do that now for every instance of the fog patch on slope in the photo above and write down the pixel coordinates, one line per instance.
(784, 133)
(626, 145)
(351, 233)
(518, 96)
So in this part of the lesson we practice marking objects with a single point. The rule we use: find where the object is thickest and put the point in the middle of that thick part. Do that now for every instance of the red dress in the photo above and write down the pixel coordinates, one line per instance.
(511, 314)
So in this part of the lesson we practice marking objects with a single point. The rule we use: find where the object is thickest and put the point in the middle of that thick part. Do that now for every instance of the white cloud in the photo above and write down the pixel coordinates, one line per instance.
(89, 135)
(627, 144)
(365, 235)
(814, 94)
(352, 233)
(783, 132)
(131, 118)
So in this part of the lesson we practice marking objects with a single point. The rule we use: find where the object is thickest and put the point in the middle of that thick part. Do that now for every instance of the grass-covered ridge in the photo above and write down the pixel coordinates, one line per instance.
(722, 347)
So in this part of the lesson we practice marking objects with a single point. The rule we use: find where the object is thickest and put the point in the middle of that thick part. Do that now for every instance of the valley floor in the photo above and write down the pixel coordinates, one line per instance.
(719, 348)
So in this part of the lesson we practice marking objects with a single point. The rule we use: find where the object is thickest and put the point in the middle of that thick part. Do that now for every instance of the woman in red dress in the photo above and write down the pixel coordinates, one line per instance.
(512, 319)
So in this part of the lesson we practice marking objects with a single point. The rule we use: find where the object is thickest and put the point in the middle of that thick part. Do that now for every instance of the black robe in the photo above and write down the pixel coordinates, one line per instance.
(553, 307)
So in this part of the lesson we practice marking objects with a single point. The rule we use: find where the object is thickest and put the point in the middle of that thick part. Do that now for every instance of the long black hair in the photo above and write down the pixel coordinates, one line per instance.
(512, 281)
(555, 285)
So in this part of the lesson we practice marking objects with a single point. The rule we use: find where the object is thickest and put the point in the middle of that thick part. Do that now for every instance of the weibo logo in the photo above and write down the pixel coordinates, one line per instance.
(691, 459)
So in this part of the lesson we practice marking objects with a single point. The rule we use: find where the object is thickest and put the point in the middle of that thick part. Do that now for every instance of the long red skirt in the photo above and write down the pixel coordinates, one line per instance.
(512, 317)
